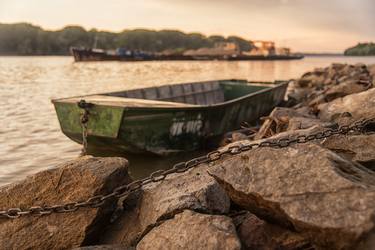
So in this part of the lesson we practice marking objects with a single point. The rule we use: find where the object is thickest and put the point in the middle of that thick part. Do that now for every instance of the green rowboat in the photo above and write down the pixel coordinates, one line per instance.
(167, 119)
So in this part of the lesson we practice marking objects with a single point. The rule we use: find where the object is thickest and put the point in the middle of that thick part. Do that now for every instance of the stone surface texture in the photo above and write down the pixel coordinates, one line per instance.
(255, 233)
(357, 106)
(326, 84)
(194, 190)
(305, 188)
(358, 148)
(74, 181)
(193, 231)
(288, 119)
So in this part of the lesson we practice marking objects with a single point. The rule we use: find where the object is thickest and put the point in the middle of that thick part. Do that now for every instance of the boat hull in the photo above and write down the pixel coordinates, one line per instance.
(165, 130)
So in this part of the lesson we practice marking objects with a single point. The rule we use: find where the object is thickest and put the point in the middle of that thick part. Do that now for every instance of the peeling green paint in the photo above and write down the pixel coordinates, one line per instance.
(103, 120)
(165, 130)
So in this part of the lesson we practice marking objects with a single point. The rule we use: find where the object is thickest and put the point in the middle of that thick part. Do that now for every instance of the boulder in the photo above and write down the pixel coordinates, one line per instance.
(297, 94)
(194, 190)
(191, 230)
(283, 121)
(357, 106)
(304, 187)
(371, 69)
(255, 233)
(325, 85)
(297, 123)
(344, 88)
(74, 181)
(311, 79)
(358, 148)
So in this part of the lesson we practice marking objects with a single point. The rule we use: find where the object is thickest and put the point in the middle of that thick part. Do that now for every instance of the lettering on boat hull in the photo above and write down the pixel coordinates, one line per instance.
(184, 126)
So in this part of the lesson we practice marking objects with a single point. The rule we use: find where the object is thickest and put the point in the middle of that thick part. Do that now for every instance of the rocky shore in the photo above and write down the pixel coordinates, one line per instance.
(305, 179)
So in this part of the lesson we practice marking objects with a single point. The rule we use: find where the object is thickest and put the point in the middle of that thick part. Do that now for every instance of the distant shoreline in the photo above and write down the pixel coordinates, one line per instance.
(322, 54)
(68, 55)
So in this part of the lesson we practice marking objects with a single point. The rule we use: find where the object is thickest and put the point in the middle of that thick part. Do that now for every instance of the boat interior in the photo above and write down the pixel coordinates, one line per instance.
(199, 93)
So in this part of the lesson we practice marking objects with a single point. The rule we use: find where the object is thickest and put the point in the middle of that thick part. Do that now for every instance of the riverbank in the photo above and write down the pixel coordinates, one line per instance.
(30, 135)
(303, 180)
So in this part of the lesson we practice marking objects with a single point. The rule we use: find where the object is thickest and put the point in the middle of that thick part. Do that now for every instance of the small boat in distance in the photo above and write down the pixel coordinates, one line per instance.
(167, 119)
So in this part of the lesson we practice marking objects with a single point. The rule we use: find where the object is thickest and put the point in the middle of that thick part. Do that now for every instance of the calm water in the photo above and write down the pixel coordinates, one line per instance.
(30, 137)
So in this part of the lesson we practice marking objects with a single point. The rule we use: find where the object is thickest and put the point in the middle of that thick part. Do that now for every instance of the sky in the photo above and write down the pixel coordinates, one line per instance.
(303, 25)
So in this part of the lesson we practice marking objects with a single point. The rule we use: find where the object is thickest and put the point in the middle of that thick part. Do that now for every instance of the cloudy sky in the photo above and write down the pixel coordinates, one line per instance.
(304, 25)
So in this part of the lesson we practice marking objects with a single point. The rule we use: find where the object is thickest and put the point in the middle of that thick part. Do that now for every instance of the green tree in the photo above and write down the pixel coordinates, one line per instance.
(27, 39)
(243, 44)
(361, 49)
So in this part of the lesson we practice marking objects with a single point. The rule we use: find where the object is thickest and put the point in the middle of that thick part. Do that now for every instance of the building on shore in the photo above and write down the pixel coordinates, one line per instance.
(262, 48)
(231, 49)
(219, 49)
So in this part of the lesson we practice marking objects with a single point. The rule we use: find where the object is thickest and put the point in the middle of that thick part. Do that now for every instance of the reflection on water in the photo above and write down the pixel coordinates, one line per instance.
(30, 137)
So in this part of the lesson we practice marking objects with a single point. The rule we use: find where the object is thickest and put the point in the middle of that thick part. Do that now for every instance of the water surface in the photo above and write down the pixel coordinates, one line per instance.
(30, 136)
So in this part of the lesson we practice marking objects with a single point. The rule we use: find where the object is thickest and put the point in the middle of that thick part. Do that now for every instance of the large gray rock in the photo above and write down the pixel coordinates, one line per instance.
(306, 188)
(191, 230)
(194, 190)
(73, 181)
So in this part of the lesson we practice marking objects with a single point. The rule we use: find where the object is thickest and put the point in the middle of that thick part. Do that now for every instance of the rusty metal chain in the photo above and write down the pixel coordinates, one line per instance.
(157, 176)
(84, 134)
(84, 119)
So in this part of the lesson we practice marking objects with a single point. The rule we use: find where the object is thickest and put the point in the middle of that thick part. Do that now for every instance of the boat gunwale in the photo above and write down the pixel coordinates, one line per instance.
(278, 84)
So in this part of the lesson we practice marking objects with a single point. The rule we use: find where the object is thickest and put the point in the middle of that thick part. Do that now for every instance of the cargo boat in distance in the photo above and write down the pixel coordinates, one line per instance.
(167, 119)
(88, 54)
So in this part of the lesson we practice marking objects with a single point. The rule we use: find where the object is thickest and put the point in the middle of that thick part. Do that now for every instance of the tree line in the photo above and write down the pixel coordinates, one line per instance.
(361, 49)
(28, 39)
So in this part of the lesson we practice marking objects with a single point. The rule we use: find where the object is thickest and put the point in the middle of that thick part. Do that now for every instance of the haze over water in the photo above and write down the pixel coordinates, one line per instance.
(30, 136)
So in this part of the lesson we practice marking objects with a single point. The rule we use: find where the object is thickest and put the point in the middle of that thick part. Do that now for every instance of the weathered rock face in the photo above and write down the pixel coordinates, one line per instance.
(356, 106)
(325, 85)
(74, 181)
(191, 230)
(358, 148)
(286, 119)
(194, 190)
(306, 188)
(368, 243)
(255, 233)
(371, 68)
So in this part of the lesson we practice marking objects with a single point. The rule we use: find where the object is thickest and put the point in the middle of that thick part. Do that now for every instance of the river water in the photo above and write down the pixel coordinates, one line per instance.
(30, 136)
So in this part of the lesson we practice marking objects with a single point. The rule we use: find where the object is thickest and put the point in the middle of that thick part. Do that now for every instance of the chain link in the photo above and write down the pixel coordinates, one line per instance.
(157, 176)
(84, 119)
(84, 137)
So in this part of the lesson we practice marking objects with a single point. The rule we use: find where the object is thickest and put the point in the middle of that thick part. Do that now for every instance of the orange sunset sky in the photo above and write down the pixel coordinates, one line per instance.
(303, 25)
